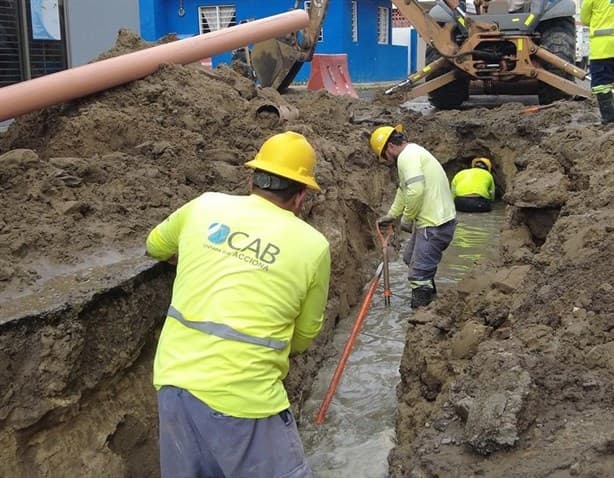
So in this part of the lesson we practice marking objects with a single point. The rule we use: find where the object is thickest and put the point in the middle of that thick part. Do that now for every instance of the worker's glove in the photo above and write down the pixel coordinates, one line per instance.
(384, 222)
(407, 226)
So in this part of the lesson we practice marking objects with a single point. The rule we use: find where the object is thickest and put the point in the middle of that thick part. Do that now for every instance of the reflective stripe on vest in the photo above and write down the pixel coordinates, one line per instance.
(415, 179)
(604, 32)
(225, 332)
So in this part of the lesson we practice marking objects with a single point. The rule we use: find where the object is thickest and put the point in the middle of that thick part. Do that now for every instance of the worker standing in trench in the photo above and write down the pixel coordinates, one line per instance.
(251, 288)
(473, 189)
(423, 196)
(598, 15)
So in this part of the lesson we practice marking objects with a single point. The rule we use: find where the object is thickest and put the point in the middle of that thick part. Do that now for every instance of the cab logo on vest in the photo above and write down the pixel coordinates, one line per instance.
(242, 246)
(217, 233)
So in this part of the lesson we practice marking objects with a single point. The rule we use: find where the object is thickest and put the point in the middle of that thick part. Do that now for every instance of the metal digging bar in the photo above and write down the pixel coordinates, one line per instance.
(332, 387)
(384, 242)
(362, 313)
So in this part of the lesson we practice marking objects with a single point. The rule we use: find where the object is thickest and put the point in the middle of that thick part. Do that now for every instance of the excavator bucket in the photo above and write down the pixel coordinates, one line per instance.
(276, 63)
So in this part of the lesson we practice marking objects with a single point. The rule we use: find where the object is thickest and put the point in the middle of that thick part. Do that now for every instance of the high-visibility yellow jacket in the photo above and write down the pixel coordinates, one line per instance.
(473, 181)
(423, 194)
(598, 15)
(251, 286)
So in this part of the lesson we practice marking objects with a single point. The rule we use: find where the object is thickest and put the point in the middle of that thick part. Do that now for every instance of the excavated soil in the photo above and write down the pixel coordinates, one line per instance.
(510, 374)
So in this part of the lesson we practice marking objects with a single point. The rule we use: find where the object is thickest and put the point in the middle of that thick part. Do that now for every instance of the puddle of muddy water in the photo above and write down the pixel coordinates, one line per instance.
(358, 432)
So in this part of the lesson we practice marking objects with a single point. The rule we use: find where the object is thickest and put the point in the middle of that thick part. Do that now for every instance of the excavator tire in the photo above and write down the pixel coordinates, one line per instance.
(452, 95)
(558, 36)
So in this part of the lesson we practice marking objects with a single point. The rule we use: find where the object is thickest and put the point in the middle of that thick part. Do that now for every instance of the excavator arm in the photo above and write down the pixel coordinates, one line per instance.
(277, 61)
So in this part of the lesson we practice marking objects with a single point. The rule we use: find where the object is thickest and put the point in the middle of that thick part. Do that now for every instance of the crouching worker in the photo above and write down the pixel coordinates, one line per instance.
(423, 198)
(251, 288)
(474, 189)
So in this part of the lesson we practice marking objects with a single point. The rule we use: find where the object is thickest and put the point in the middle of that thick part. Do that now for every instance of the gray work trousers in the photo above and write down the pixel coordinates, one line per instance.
(424, 250)
(199, 442)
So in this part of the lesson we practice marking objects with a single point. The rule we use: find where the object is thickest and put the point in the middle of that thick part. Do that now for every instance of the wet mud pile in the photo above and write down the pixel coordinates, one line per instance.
(512, 370)
(81, 306)
(512, 374)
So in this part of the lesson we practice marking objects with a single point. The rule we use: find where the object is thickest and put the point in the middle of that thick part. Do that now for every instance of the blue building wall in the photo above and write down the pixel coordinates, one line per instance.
(367, 61)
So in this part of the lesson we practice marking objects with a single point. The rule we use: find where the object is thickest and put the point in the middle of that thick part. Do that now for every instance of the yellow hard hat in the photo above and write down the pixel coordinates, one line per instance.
(380, 137)
(288, 155)
(486, 161)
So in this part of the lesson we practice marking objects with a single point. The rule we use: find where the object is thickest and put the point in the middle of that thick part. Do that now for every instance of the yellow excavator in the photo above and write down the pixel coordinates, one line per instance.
(526, 48)
(503, 47)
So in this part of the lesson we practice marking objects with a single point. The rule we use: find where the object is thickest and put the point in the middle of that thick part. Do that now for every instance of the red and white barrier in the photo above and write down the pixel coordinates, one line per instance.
(330, 72)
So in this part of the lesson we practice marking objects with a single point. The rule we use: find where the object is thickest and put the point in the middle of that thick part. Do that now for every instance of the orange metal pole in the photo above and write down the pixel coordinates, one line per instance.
(383, 267)
(348, 347)
(84, 80)
(534, 109)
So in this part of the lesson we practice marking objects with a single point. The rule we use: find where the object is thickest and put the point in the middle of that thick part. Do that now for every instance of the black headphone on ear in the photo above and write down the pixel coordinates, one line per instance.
(264, 180)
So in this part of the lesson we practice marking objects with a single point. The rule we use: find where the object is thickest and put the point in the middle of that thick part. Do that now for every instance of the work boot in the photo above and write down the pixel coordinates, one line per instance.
(421, 296)
(606, 107)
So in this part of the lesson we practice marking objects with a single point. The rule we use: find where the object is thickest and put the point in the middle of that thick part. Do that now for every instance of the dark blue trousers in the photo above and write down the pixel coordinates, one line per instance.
(424, 250)
(602, 72)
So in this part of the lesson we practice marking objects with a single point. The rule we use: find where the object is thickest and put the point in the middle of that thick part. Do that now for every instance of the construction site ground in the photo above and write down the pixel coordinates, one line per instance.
(509, 374)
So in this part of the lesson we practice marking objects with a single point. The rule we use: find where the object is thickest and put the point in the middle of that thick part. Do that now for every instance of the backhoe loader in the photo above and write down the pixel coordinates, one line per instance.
(529, 51)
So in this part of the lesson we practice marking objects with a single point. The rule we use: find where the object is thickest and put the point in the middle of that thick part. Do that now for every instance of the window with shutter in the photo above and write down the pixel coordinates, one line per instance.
(47, 41)
(10, 54)
(217, 17)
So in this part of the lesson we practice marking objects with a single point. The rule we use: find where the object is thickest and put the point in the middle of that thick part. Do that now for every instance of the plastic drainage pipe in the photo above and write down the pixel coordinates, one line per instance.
(84, 80)
(283, 113)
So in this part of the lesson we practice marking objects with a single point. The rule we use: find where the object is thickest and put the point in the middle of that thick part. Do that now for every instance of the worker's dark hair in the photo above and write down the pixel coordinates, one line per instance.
(281, 187)
(396, 138)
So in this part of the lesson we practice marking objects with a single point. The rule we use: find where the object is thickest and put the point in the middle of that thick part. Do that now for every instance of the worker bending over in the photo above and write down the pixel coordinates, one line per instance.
(251, 288)
(473, 189)
(423, 196)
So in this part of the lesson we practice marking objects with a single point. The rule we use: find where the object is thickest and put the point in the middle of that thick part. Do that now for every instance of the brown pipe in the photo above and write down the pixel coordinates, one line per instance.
(281, 113)
(84, 80)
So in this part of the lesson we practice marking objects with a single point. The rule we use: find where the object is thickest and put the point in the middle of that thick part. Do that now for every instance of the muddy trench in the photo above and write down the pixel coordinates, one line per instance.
(358, 431)
(508, 374)
(77, 357)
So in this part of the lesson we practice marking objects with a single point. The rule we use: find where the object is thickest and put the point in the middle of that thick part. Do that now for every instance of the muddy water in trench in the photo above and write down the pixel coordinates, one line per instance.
(358, 431)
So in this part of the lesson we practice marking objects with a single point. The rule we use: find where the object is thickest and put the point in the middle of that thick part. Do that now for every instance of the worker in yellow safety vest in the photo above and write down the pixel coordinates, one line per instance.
(251, 288)
(474, 189)
(598, 15)
(423, 197)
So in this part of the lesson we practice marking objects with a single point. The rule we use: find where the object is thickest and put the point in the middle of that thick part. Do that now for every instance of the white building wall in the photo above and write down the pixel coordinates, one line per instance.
(400, 36)
(92, 26)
